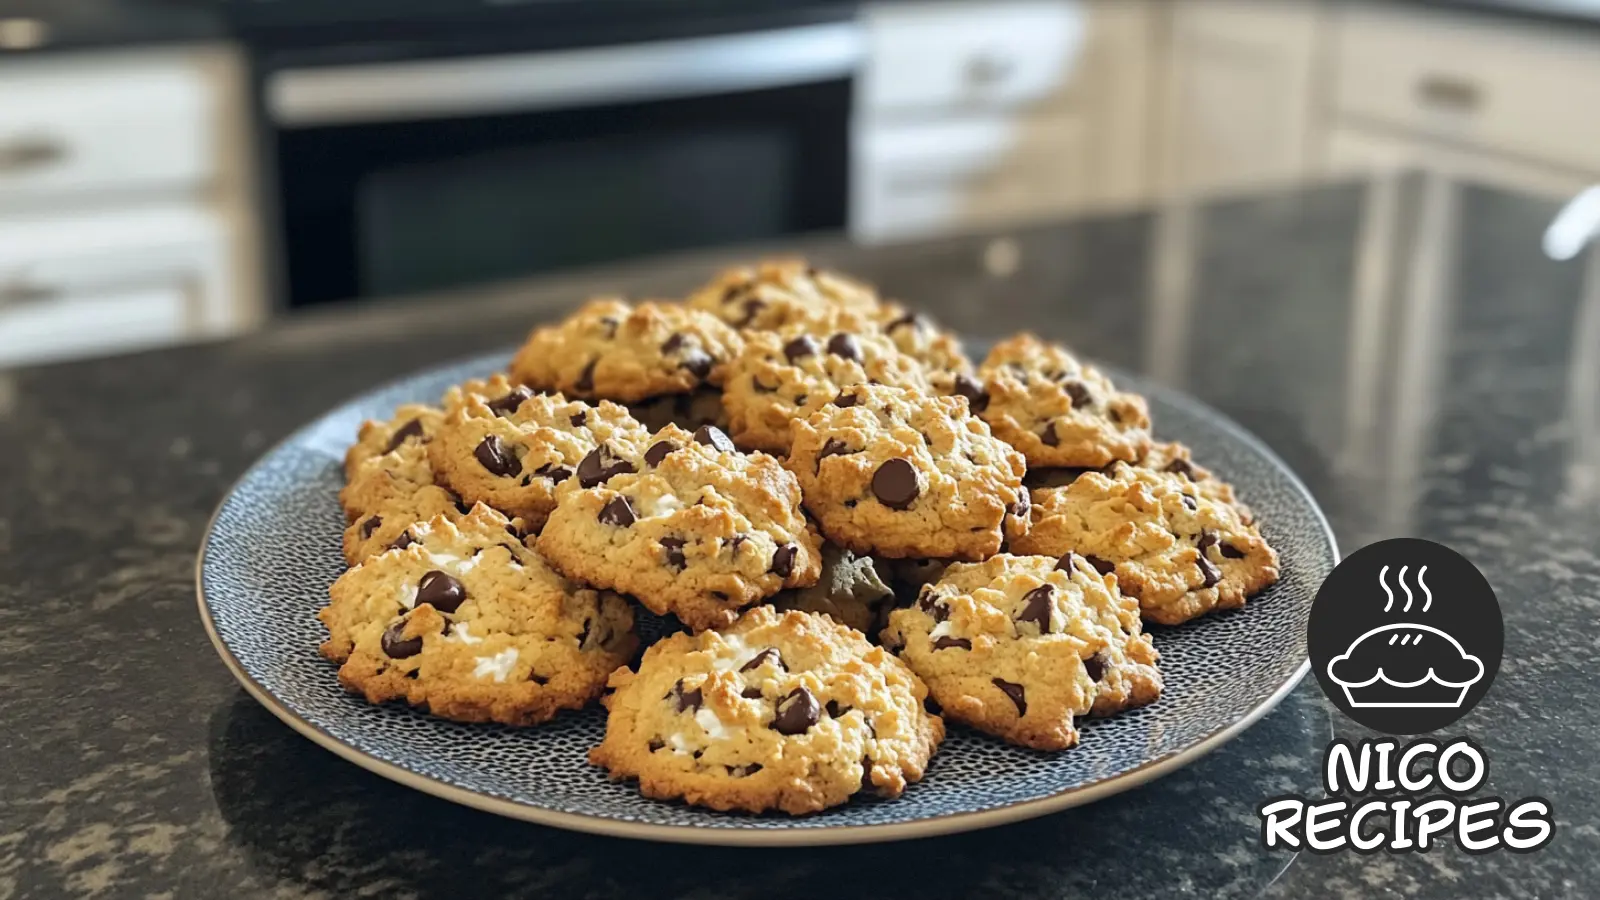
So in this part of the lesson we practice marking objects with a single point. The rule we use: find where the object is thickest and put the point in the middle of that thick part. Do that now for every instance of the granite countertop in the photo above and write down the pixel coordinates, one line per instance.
(1402, 345)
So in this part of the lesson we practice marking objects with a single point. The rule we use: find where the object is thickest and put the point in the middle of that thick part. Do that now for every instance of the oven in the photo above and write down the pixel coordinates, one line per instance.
(425, 159)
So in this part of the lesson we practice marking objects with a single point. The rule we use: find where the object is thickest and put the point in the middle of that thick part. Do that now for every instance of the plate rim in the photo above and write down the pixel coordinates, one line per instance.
(751, 837)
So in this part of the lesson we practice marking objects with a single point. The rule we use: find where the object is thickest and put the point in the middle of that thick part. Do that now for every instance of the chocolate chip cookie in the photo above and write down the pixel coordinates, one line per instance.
(1021, 646)
(617, 351)
(509, 447)
(700, 531)
(387, 495)
(778, 293)
(921, 338)
(413, 423)
(1176, 458)
(470, 625)
(1182, 554)
(780, 711)
(851, 590)
(786, 375)
(899, 473)
(1058, 411)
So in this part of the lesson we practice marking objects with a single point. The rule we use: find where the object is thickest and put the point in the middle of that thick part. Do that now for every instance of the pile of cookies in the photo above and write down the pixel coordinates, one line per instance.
(861, 533)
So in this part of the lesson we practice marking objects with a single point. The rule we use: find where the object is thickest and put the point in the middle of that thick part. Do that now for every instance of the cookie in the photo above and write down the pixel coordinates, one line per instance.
(413, 423)
(851, 591)
(1176, 458)
(778, 293)
(510, 448)
(903, 474)
(613, 350)
(920, 337)
(1180, 553)
(700, 531)
(1059, 412)
(470, 625)
(388, 495)
(787, 375)
(780, 711)
(1022, 646)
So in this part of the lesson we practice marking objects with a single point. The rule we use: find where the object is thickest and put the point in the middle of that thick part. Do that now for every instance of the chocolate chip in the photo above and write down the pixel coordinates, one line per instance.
(947, 643)
(1103, 566)
(926, 597)
(761, 388)
(600, 464)
(610, 326)
(673, 343)
(911, 319)
(618, 512)
(1067, 562)
(743, 771)
(1208, 570)
(674, 549)
(460, 504)
(685, 700)
(410, 429)
(1078, 391)
(751, 693)
(770, 654)
(586, 379)
(1189, 502)
(783, 560)
(556, 474)
(968, 387)
(656, 744)
(752, 308)
(369, 526)
(698, 364)
(1096, 667)
(797, 712)
(403, 541)
(396, 645)
(658, 451)
(866, 775)
(1016, 693)
(1182, 467)
(941, 611)
(739, 539)
(895, 484)
(496, 458)
(712, 436)
(845, 400)
(845, 345)
(1023, 504)
(579, 419)
(836, 709)
(932, 706)
(801, 347)
(1207, 539)
(1231, 552)
(1037, 605)
(441, 591)
(1049, 436)
(509, 403)
(831, 447)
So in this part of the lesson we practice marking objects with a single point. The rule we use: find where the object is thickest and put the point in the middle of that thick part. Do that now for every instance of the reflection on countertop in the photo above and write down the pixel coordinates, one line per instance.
(1401, 343)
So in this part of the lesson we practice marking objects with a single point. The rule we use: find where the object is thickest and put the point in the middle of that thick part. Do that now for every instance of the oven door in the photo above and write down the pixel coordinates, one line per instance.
(399, 177)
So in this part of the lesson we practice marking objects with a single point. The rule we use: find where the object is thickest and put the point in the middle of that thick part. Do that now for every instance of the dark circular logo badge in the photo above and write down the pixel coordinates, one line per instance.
(1405, 636)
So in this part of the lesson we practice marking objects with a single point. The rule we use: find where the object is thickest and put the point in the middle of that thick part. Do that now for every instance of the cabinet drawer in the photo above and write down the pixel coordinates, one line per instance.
(1528, 90)
(82, 123)
(970, 55)
(94, 322)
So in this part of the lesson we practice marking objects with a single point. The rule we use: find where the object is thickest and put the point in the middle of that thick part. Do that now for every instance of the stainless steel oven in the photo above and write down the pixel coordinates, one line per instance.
(403, 165)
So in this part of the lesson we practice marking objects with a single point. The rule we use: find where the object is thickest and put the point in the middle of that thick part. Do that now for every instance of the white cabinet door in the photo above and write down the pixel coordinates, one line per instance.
(1238, 97)
(44, 327)
(1355, 150)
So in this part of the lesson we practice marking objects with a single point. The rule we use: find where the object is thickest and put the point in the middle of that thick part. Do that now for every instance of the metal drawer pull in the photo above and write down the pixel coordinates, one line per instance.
(988, 69)
(1449, 92)
(30, 153)
(25, 293)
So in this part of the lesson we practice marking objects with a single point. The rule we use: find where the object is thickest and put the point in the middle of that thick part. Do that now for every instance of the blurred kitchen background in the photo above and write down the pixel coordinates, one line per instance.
(176, 170)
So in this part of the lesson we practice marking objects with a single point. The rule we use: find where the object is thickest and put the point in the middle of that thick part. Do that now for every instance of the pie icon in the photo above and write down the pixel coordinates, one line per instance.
(1405, 665)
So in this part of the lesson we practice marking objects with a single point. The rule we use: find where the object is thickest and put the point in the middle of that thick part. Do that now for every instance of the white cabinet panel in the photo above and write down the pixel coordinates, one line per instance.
(1352, 150)
(61, 326)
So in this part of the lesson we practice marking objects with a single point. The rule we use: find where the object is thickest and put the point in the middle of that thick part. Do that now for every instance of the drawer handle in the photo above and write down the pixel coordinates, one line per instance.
(26, 293)
(30, 153)
(1448, 92)
(989, 69)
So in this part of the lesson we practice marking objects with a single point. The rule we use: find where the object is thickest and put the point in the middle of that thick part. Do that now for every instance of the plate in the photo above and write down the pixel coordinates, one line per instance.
(273, 547)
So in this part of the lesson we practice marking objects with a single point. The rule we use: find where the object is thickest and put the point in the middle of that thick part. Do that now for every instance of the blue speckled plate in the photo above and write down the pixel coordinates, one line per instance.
(274, 547)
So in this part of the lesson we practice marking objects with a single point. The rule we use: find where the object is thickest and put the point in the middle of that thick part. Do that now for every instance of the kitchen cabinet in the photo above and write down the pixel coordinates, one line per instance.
(126, 213)
(971, 113)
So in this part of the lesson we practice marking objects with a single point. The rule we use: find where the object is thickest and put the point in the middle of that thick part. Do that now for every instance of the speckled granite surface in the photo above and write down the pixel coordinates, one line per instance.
(1464, 412)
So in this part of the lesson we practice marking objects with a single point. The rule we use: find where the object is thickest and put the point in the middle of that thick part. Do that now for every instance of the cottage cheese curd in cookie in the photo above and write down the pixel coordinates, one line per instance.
(850, 590)
(1182, 554)
(780, 711)
(473, 626)
(904, 474)
(1020, 646)
(700, 531)
(778, 293)
(1058, 411)
(627, 353)
(787, 375)
(510, 448)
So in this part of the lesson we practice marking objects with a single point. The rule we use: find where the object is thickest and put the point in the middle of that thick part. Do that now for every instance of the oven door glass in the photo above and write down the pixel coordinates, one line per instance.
(398, 207)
